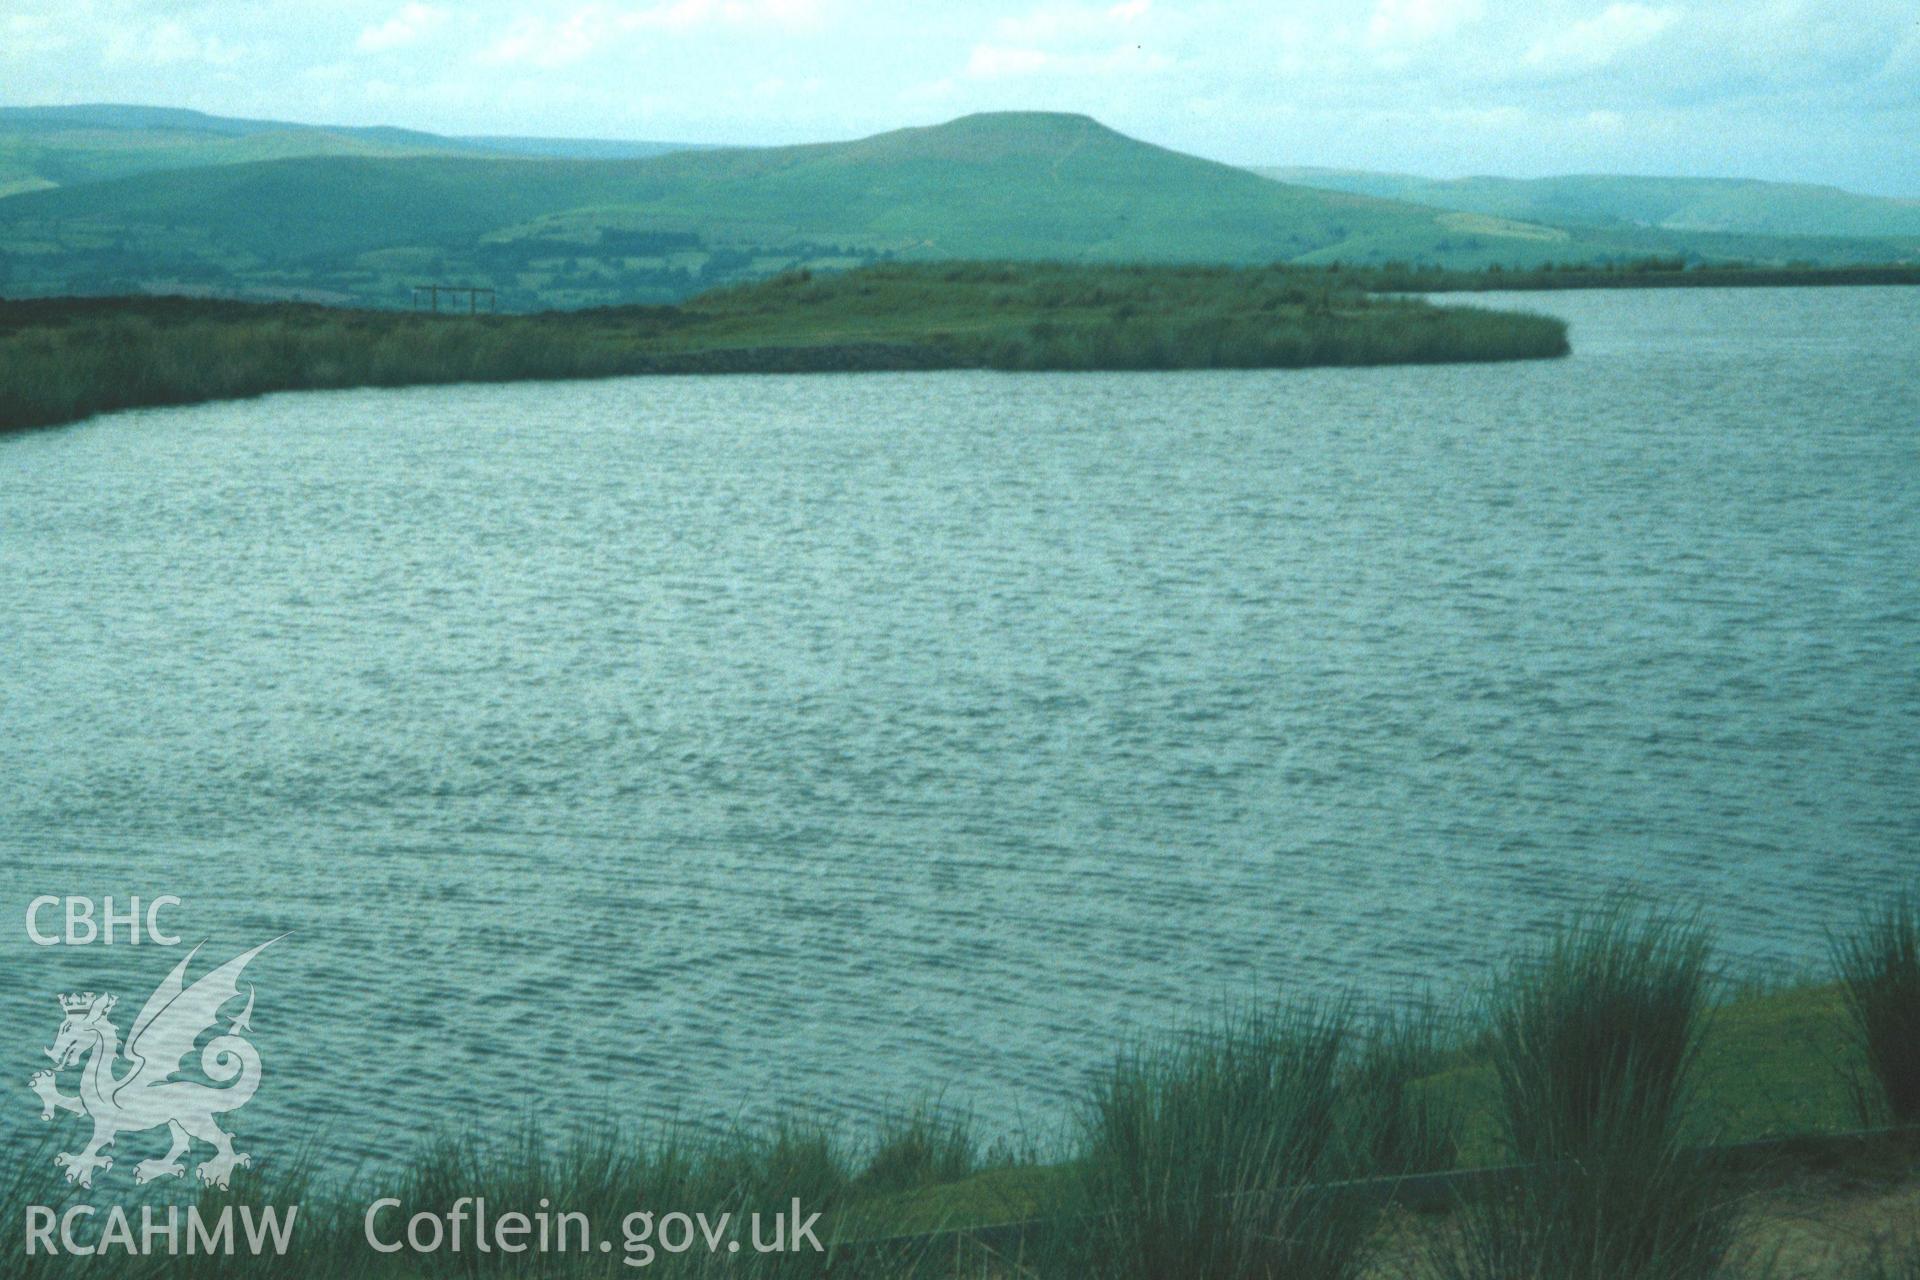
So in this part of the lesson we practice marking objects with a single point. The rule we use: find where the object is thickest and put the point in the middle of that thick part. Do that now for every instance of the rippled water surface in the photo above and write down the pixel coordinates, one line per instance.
(694, 746)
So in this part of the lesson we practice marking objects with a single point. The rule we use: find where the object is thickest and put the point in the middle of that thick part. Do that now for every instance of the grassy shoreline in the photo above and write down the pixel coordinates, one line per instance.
(1610, 1058)
(65, 359)
(1647, 273)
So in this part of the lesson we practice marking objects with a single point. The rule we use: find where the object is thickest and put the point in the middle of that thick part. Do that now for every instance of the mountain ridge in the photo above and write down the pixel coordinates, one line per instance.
(49, 146)
(1730, 205)
(363, 227)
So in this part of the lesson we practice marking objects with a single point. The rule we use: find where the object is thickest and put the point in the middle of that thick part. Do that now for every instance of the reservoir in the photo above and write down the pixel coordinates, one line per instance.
(698, 747)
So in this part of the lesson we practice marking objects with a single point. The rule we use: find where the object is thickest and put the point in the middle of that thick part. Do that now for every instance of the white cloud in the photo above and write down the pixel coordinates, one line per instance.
(540, 43)
(587, 31)
(930, 91)
(1397, 22)
(1071, 40)
(30, 34)
(1597, 41)
(991, 61)
(994, 62)
(168, 43)
(780, 86)
(1055, 23)
(681, 15)
(403, 28)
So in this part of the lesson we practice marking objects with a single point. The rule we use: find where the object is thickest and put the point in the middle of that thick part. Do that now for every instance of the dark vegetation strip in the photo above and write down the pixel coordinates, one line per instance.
(1645, 273)
(1251, 1147)
(65, 359)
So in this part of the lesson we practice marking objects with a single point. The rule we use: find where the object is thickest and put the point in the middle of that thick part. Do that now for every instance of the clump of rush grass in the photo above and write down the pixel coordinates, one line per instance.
(1609, 1014)
(1595, 1038)
(1207, 1155)
(1879, 966)
(922, 1147)
(1397, 1122)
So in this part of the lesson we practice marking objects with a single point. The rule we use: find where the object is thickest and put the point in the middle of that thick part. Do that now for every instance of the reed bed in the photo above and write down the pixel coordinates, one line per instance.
(62, 360)
(1208, 1155)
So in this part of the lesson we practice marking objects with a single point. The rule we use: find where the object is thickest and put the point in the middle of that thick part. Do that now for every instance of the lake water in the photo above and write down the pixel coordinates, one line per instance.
(697, 746)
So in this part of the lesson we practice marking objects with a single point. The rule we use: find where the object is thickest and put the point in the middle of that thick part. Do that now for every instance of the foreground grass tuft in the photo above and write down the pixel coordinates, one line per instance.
(1397, 1122)
(1607, 1016)
(1879, 967)
(1204, 1156)
(1595, 1038)
(925, 1147)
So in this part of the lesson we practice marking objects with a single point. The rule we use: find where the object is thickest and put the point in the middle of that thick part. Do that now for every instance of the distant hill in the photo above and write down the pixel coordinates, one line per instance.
(1670, 204)
(364, 225)
(577, 148)
(566, 232)
(42, 147)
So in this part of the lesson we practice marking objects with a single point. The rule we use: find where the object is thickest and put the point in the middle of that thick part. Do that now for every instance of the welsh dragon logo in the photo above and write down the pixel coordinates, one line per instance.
(146, 1094)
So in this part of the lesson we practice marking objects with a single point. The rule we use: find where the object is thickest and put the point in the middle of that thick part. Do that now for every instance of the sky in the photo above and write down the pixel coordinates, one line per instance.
(1788, 90)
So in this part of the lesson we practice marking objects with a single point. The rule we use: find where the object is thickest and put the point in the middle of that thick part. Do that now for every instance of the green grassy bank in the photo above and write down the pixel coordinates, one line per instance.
(1775, 1063)
(1610, 1059)
(66, 359)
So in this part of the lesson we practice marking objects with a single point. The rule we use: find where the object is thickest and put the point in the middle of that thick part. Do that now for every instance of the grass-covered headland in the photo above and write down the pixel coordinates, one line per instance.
(1636, 273)
(63, 359)
(1598, 1084)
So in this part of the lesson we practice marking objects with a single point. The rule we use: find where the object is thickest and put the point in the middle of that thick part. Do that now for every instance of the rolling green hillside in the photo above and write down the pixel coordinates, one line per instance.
(44, 147)
(1672, 204)
(587, 232)
(546, 233)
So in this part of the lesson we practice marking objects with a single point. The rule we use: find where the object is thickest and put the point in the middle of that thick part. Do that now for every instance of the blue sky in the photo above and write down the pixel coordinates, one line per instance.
(1779, 89)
